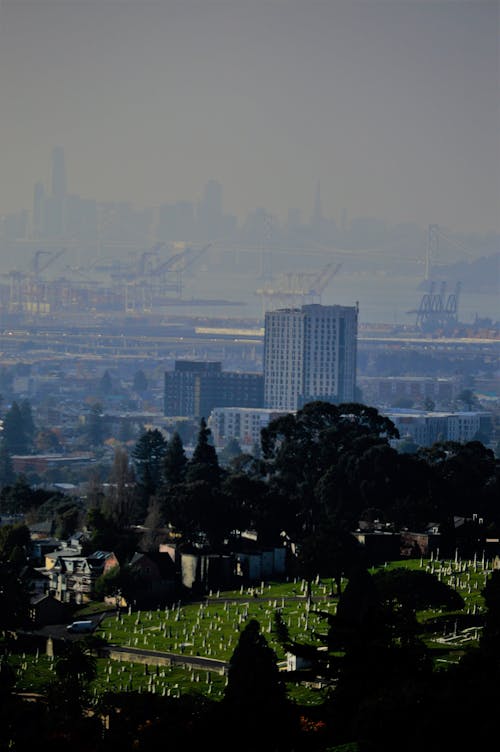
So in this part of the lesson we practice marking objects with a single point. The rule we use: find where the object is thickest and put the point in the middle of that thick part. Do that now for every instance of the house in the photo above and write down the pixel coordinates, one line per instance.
(254, 563)
(47, 609)
(155, 573)
(420, 544)
(37, 581)
(72, 578)
(379, 545)
(202, 571)
(40, 547)
(155, 576)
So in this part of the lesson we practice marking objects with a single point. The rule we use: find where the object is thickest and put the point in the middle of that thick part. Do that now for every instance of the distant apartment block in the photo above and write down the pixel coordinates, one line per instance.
(425, 428)
(195, 388)
(386, 390)
(309, 354)
(241, 423)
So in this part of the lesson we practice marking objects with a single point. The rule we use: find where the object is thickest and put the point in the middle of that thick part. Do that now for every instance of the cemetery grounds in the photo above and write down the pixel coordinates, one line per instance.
(211, 629)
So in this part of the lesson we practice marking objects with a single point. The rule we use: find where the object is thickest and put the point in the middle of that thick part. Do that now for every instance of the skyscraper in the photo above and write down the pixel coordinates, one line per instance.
(58, 175)
(310, 354)
(38, 209)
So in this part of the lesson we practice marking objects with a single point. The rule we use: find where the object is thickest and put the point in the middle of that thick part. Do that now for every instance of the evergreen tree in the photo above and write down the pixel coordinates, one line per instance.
(140, 383)
(95, 432)
(15, 437)
(230, 451)
(174, 466)
(28, 422)
(105, 384)
(149, 457)
(204, 464)
(255, 703)
(7, 473)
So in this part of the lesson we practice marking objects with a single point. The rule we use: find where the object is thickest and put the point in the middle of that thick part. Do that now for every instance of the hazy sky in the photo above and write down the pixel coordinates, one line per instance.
(392, 105)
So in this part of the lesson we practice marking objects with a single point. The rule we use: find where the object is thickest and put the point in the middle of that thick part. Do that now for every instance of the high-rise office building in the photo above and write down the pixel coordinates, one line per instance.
(310, 354)
(59, 183)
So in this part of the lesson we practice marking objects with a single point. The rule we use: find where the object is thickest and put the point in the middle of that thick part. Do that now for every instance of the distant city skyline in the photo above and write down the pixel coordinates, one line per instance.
(391, 105)
(55, 203)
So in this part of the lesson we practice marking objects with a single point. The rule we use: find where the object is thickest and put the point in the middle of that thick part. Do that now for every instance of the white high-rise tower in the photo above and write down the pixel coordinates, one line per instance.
(310, 354)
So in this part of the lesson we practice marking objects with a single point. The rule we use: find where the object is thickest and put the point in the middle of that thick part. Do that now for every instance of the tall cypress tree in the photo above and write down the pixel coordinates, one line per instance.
(204, 464)
(149, 458)
(174, 466)
(28, 422)
(255, 701)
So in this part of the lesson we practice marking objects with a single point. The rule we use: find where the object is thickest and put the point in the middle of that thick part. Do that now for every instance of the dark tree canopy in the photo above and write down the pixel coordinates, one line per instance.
(149, 458)
(416, 589)
(255, 697)
(204, 464)
(15, 434)
(175, 462)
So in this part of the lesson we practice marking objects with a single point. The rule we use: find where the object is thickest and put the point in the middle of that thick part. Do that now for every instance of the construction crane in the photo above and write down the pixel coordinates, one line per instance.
(176, 264)
(38, 267)
(295, 288)
(145, 265)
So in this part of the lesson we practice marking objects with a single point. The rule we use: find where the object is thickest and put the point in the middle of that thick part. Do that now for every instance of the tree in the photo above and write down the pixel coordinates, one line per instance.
(153, 524)
(490, 639)
(255, 696)
(300, 450)
(120, 505)
(331, 552)
(140, 383)
(230, 451)
(15, 438)
(105, 384)
(405, 591)
(7, 473)
(119, 581)
(468, 398)
(47, 440)
(429, 404)
(12, 537)
(175, 461)
(204, 464)
(149, 457)
(15, 543)
(95, 431)
(28, 422)
(75, 668)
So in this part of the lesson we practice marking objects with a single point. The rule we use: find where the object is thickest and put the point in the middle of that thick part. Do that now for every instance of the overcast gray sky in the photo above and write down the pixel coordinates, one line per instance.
(392, 105)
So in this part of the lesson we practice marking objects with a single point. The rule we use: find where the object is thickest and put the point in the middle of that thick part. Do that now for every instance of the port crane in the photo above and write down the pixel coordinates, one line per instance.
(298, 288)
(438, 311)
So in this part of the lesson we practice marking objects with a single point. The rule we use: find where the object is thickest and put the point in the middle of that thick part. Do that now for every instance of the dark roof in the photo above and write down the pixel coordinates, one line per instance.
(47, 597)
(29, 572)
(163, 561)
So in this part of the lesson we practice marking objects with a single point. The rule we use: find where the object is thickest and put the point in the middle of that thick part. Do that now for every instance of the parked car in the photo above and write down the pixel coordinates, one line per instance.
(81, 626)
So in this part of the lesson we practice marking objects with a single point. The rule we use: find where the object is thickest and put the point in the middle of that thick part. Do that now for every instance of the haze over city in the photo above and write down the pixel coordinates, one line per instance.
(392, 106)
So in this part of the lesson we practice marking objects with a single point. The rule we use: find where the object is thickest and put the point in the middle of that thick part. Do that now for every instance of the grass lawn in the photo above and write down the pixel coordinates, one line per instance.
(212, 629)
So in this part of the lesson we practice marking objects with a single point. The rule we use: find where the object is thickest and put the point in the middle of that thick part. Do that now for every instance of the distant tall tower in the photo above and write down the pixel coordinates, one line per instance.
(310, 354)
(210, 210)
(317, 217)
(59, 185)
(38, 209)
(212, 198)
